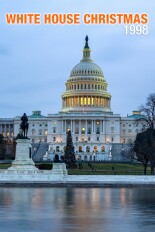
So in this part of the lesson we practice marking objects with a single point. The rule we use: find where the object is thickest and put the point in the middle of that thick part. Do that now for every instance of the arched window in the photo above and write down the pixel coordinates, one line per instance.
(103, 149)
(46, 132)
(80, 148)
(85, 158)
(57, 149)
(33, 132)
(95, 149)
(87, 149)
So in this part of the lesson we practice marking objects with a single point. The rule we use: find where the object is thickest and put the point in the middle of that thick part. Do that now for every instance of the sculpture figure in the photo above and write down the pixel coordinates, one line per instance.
(24, 125)
(86, 42)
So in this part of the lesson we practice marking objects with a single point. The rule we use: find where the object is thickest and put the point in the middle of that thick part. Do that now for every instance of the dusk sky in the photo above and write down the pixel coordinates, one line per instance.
(36, 60)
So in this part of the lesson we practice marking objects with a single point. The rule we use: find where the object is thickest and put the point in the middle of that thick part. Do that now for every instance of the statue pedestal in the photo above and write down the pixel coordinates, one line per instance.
(22, 160)
(59, 169)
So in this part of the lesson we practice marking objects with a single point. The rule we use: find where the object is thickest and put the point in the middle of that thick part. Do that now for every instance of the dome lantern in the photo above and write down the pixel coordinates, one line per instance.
(86, 51)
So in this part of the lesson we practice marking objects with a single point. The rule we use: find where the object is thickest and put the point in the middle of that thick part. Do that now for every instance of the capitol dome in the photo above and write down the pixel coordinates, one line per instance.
(86, 87)
(85, 68)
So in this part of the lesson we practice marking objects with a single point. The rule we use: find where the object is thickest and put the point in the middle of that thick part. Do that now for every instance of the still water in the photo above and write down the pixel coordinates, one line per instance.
(77, 209)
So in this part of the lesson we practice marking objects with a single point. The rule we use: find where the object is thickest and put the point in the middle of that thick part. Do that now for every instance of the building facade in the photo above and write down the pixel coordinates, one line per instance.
(86, 111)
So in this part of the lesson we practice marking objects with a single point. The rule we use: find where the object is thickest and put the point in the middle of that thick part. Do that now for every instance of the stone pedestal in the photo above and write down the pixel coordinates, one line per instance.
(22, 160)
(59, 169)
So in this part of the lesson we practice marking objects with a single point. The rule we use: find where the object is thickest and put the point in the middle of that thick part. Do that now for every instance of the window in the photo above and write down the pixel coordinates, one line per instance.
(57, 148)
(11, 125)
(81, 101)
(112, 130)
(80, 148)
(92, 101)
(54, 139)
(33, 132)
(77, 130)
(98, 138)
(89, 138)
(97, 130)
(54, 129)
(89, 130)
(83, 139)
(83, 130)
(85, 101)
(40, 131)
(76, 138)
(40, 124)
(87, 149)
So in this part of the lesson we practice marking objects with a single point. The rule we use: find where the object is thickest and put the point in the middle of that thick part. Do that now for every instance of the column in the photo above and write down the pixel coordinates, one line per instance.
(65, 127)
(79, 126)
(71, 126)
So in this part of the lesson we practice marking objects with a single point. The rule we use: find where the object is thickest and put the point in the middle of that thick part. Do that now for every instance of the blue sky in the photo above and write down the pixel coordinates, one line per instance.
(36, 60)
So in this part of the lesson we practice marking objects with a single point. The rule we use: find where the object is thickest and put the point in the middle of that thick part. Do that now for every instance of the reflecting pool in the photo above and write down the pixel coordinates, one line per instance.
(77, 209)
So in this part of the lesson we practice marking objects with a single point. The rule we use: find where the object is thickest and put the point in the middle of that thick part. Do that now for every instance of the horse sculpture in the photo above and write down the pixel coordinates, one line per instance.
(24, 125)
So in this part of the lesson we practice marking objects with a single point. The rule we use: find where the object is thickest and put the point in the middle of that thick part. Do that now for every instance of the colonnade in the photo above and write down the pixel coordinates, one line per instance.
(7, 130)
(86, 101)
(91, 124)
(81, 86)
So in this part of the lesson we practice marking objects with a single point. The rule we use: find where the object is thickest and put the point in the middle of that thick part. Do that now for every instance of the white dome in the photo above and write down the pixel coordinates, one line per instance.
(86, 68)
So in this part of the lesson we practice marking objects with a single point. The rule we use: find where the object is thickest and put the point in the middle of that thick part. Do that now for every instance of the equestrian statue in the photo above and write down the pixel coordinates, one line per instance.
(24, 125)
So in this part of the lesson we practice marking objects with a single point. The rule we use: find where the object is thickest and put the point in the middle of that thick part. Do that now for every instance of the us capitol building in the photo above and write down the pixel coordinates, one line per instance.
(97, 133)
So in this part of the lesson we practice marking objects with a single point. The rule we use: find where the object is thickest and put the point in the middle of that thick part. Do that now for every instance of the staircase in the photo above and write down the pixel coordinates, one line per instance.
(38, 151)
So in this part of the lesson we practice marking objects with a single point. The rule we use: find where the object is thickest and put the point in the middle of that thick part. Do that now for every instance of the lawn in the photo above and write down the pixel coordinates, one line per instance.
(97, 168)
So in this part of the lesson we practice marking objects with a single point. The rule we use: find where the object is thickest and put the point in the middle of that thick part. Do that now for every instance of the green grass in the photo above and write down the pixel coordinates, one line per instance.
(97, 169)
(109, 169)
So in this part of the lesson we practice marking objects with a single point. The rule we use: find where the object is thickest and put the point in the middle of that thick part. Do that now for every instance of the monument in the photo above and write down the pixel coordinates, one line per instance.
(23, 166)
(23, 161)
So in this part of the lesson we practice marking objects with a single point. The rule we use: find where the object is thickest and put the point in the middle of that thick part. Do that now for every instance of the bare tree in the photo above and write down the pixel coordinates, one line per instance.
(148, 111)
(145, 142)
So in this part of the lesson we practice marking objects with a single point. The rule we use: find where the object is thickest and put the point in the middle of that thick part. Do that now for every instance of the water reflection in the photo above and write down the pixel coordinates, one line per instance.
(77, 209)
